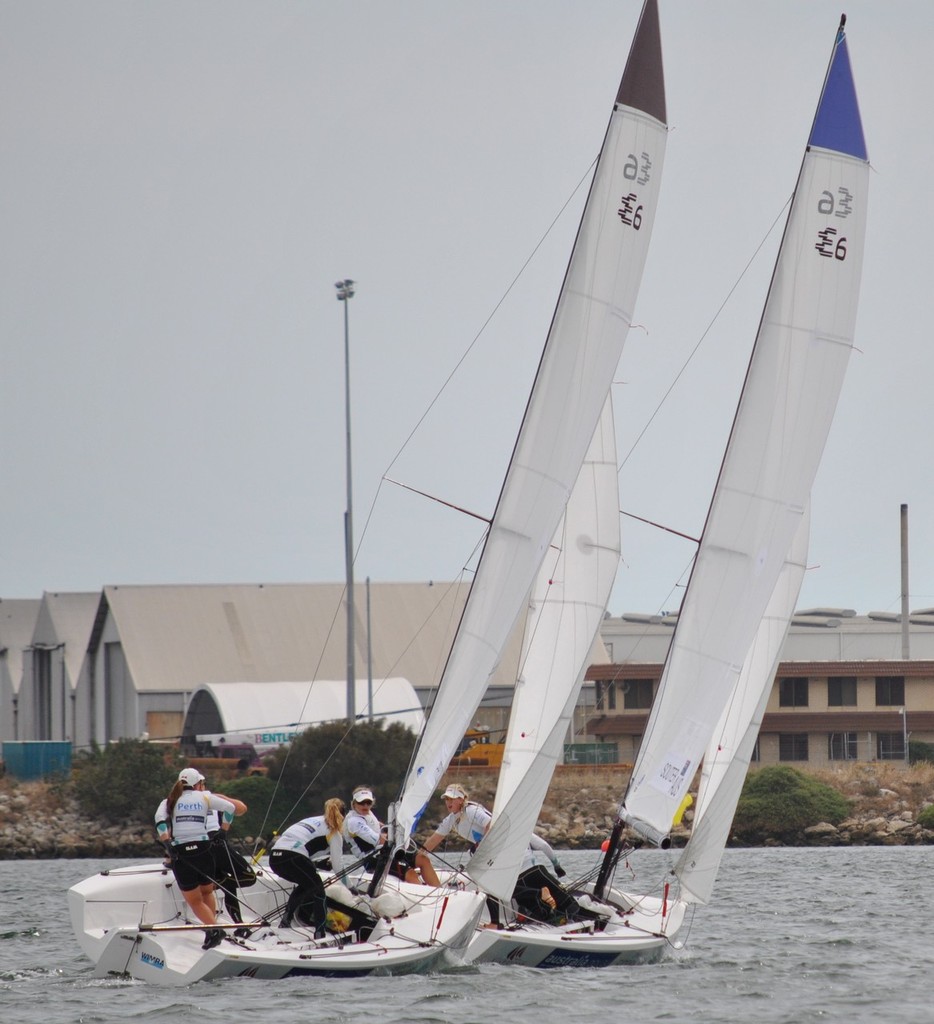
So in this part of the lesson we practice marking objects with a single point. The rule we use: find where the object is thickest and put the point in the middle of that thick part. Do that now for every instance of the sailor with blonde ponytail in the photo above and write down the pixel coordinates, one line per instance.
(298, 854)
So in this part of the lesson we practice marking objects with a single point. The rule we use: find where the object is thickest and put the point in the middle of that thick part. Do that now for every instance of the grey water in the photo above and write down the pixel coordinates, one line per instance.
(791, 936)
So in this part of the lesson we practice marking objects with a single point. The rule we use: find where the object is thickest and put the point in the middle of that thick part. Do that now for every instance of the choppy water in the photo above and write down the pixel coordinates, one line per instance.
(792, 936)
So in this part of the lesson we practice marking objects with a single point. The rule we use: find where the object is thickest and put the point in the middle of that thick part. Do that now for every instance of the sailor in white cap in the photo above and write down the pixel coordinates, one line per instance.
(362, 828)
(465, 818)
(471, 822)
(365, 834)
(189, 814)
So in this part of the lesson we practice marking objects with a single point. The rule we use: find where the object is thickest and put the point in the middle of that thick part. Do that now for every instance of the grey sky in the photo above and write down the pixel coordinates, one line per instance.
(181, 184)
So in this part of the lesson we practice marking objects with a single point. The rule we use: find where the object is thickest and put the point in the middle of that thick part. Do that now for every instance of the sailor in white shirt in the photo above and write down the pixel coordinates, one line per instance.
(365, 834)
(310, 845)
(189, 814)
(471, 821)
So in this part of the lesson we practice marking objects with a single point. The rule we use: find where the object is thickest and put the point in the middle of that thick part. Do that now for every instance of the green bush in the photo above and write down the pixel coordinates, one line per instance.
(122, 782)
(926, 817)
(266, 805)
(779, 802)
(918, 751)
(330, 760)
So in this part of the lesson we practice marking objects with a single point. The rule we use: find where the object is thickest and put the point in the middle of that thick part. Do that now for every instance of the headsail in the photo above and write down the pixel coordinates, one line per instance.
(568, 604)
(791, 389)
(730, 751)
(580, 356)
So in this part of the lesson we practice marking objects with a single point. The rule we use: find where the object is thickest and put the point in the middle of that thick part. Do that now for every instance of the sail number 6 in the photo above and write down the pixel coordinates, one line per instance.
(630, 213)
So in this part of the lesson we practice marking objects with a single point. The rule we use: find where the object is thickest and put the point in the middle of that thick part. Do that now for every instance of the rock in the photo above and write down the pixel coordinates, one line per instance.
(900, 824)
(823, 828)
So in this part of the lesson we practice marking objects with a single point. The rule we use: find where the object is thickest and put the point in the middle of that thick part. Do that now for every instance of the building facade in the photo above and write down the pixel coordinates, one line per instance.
(843, 691)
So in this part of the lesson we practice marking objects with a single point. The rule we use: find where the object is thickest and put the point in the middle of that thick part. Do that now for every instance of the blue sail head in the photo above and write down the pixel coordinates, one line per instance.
(837, 124)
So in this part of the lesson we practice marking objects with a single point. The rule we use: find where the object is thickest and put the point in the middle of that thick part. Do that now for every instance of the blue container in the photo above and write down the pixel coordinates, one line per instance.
(37, 759)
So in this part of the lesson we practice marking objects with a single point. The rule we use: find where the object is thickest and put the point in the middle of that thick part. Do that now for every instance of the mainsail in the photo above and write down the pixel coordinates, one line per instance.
(568, 603)
(790, 392)
(580, 356)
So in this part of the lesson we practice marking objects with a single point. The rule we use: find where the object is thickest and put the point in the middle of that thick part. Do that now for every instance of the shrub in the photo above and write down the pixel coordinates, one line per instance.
(329, 760)
(122, 782)
(266, 805)
(779, 802)
(926, 817)
(918, 751)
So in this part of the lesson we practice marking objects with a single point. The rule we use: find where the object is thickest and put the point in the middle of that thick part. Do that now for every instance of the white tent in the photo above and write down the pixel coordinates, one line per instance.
(266, 715)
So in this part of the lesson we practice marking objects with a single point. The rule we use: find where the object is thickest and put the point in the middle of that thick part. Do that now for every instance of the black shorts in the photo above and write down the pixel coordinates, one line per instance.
(193, 865)
(402, 862)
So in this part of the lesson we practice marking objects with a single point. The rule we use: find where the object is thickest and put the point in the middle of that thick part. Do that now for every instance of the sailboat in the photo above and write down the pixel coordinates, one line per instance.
(571, 387)
(740, 598)
(133, 921)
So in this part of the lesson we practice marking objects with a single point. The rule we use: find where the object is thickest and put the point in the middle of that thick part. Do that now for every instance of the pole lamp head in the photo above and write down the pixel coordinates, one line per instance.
(345, 290)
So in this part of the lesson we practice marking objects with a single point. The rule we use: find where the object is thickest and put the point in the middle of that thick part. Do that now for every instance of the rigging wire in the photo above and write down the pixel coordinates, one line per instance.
(473, 343)
(706, 331)
(685, 572)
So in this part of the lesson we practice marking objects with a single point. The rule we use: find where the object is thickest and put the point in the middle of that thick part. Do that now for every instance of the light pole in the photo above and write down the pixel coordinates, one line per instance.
(345, 291)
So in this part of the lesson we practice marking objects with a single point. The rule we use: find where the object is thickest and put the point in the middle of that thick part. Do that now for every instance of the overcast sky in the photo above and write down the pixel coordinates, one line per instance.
(182, 183)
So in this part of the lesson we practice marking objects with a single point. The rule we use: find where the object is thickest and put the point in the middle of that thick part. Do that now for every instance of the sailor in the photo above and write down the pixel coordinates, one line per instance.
(465, 818)
(538, 894)
(231, 869)
(471, 821)
(298, 854)
(188, 809)
(365, 834)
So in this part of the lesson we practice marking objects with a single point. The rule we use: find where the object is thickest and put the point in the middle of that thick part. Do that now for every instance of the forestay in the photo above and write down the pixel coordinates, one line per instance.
(791, 389)
(580, 356)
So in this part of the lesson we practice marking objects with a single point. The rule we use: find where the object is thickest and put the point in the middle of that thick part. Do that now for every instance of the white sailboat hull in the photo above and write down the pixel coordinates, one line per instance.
(641, 930)
(134, 922)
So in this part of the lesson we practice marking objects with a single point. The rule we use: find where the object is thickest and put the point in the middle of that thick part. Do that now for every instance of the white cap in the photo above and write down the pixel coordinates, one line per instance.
(359, 795)
(190, 776)
(455, 792)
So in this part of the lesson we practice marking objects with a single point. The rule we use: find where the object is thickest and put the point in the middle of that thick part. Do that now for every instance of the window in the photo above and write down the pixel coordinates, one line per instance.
(793, 693)
(605, 695)
(841, 692)
(890, 691)
(841, 746)
(756, 754)
(637, 694)
(792, 746)
(890, 746)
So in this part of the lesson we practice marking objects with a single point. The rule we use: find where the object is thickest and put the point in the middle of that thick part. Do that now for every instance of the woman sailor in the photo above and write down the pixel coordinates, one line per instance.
(189, 812)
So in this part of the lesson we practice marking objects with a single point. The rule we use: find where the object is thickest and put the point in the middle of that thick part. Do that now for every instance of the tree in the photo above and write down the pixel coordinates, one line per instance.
(266, 805)
(124, 781)
(330, 760)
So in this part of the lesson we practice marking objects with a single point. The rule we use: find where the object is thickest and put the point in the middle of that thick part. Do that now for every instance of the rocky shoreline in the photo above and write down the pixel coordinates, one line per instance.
(576, 815)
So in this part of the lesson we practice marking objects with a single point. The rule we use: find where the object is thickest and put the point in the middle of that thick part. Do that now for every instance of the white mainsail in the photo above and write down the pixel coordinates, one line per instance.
(730, 751)
(580, 356)
(568, 603)
(791, 389)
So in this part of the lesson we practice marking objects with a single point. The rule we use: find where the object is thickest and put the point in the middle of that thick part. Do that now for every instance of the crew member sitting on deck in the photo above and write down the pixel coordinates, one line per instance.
(365, 834)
